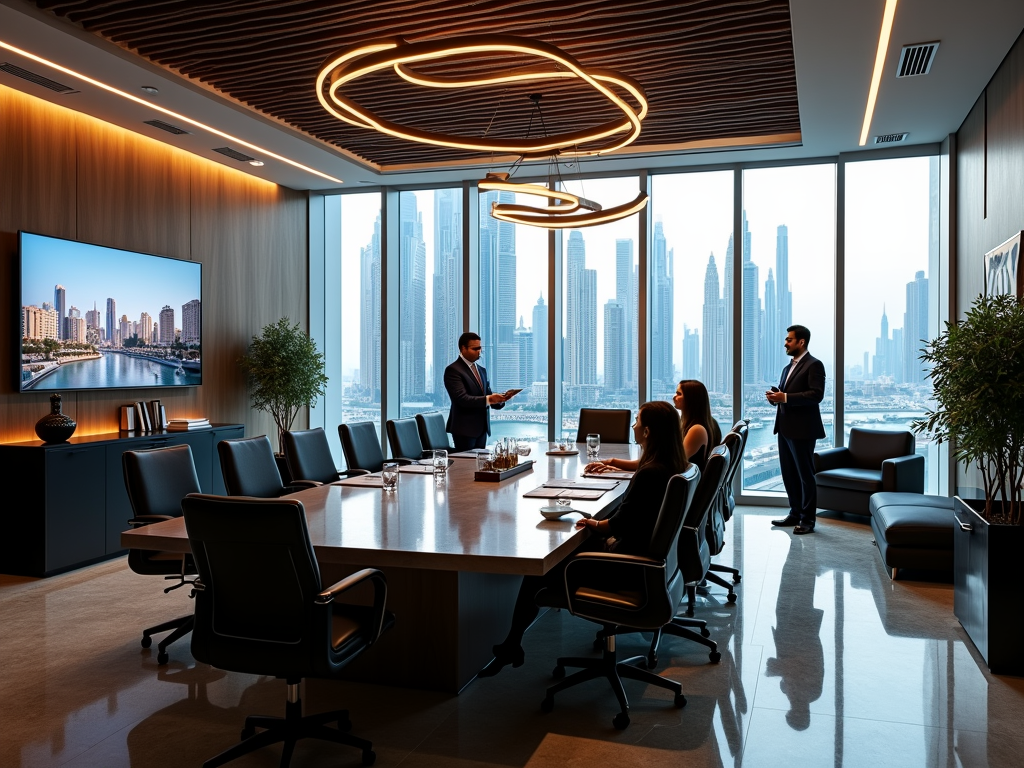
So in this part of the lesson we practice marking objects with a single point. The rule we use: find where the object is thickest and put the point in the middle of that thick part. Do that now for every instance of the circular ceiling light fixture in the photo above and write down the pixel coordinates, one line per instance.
(354, 62)
(565, 210)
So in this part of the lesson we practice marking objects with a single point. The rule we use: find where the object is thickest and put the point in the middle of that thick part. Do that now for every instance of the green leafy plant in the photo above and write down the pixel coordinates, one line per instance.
(285, 372)
(978, 378)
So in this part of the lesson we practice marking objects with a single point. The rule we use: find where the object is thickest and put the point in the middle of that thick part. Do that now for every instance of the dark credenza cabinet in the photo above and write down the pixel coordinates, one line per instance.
(65, 504)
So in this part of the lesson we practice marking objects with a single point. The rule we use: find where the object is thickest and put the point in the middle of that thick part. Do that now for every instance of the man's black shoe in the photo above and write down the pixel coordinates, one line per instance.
(787, 522)
(800, 530)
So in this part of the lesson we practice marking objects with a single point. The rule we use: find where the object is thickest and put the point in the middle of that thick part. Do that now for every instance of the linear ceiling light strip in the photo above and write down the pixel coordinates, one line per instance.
(176, 115)
(876, 76)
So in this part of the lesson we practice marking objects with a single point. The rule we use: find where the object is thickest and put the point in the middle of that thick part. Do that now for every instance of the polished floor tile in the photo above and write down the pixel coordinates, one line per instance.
(825, 662)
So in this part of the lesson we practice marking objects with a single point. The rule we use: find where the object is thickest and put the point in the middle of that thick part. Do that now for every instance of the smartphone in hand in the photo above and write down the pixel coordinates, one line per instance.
(775, 389)
(512, 393)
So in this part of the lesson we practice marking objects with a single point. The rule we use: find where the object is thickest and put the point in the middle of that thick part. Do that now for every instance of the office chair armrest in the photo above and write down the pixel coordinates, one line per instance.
(300, 485)
(380, 595)
(589, 567)
(353, 472)
(903, 474)
(831, 458)
(140, 520)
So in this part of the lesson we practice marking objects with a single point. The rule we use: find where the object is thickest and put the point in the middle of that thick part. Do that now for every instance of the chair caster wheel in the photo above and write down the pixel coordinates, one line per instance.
(705, 632)
(248, 733)
(621, 721)
(652, 660)
(548, 704)
(369, 757)
(558, 672)
(731, 597)
(715, 657)
(162, 657)
(736, 579)
(146, 641)
(679, 701)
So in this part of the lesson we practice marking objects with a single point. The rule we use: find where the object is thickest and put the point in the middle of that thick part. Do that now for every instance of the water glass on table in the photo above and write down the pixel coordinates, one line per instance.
(440, 466)
(593, 445)
(389, 477)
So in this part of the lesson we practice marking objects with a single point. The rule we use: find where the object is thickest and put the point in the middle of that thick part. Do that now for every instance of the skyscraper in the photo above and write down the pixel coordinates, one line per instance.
(112, 322)
(166, 326)
(527, 361)
(624, 296)
(74, 326)
(412, 277)
(497, 278)
(614, 352)
(691, 353)
(540, 340)
(662, 369)
(784, 300)
(916, 329)
(60, 304)
(369, 315)
(447, 309)
(191, 322)
(581, 314)
(714, 353)
(770, 339)
(146, 328)
(751, 337)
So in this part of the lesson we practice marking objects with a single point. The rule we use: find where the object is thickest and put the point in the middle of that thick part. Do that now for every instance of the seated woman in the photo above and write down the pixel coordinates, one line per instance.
(699, 429)
(628, 529)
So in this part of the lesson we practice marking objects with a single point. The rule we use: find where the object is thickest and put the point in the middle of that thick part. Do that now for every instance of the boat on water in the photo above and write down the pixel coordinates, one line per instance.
(179, 371)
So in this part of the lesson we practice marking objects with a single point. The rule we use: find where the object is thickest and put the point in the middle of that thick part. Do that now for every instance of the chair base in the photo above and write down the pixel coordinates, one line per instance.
(684, 627)
(610, 668)
(289, 729)
(716, 579)
(181, 626)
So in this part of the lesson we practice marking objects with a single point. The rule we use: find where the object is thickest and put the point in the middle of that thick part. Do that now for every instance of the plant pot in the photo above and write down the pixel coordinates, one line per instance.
(988, 586)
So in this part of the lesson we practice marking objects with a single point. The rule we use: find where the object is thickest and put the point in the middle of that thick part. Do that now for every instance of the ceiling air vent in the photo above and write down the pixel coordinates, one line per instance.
(891, 138)
(166, 127)
(916, 59)
(32, 77)
(234, 154)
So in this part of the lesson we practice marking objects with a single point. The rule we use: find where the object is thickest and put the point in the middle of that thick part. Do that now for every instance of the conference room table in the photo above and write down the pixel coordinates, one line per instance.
(453, 555)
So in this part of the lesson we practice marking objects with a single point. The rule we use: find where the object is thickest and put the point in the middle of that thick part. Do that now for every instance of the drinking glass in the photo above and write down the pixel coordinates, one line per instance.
(440, 466)
(484, 461)
(593, 445)
(524, 448)
(389, 477)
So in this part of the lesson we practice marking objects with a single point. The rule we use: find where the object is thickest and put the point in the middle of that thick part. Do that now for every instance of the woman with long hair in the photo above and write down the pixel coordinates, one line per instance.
(698, 428)
(627, 530)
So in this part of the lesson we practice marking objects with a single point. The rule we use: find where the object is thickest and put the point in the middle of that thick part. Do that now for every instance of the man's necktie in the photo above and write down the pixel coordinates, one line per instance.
(476, 375)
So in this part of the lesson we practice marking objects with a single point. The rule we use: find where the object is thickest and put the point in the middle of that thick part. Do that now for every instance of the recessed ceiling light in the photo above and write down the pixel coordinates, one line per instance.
(150, 89)
(257, 163)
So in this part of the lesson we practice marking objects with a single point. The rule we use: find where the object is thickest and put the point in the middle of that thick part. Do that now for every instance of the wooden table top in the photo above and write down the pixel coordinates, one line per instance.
(463, 525)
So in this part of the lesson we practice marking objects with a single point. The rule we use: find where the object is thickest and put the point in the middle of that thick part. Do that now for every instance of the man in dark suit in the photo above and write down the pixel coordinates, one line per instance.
(798, 425)
(469, 419)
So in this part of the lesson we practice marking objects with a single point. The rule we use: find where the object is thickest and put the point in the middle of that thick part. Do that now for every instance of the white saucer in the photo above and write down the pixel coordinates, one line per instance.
(553, 513)
(563, 453)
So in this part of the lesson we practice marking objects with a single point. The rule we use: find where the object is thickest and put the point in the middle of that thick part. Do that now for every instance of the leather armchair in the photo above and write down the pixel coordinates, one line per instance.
(361, 447)
(309, 457)
(157, 480)
(433, 434)
(261, 609)
(612, 424)
(404, 438)
(626, 593)
(874, 461)
(250, 469)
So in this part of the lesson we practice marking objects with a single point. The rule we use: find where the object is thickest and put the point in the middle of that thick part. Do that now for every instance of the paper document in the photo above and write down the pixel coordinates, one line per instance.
(564, 493)
(594, 485)
(372, 481)
(619, 474)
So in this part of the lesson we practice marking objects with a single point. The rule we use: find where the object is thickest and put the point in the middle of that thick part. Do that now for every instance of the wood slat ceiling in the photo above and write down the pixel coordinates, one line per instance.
(712, 69)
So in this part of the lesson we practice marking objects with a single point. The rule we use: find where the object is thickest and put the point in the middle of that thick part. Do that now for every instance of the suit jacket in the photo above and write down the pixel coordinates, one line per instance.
(469, 414)
(798, 418)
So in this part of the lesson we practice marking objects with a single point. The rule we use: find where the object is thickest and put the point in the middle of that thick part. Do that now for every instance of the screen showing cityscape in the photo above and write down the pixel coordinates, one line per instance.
(93, 317)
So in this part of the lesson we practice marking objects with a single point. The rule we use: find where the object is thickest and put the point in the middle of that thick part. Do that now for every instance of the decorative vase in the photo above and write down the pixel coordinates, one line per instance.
(55, 427)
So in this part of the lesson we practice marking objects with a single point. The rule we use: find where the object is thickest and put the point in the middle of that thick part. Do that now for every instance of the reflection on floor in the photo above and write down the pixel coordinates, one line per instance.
(840, 667)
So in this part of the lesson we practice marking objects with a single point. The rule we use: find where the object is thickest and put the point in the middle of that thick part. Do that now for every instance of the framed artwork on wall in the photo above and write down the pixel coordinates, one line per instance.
(1001, 272)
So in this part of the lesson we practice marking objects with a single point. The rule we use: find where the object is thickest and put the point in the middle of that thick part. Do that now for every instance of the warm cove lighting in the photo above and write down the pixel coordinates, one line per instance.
(876, 75)
(564, 214)
(354, 62)
(162, 110)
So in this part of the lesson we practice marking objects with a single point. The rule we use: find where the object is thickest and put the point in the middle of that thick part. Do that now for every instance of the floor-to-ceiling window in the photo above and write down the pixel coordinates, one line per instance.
(692, 222)
(787, 268)
(360, 297)
(600, 299)
(430, 296)
(892, 254)
(514, 308)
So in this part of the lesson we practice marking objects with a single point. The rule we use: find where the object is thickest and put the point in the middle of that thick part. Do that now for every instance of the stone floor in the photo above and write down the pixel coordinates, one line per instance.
(840, 668)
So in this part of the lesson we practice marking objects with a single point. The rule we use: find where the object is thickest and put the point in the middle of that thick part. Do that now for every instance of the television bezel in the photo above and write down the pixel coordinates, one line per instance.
(17, 299)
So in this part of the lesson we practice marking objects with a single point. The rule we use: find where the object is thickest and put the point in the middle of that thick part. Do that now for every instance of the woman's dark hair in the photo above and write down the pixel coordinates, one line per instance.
(697, 410)
(664, 440)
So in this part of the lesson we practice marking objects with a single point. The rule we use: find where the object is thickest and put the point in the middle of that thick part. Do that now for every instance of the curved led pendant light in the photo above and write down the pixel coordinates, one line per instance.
(352, 63)
(565, 214)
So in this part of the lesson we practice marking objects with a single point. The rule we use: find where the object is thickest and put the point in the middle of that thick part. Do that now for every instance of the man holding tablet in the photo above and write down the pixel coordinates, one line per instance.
(469, 420)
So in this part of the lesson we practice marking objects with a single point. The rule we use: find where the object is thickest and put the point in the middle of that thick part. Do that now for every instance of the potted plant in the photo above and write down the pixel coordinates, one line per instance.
(285, 372)
(978, 379)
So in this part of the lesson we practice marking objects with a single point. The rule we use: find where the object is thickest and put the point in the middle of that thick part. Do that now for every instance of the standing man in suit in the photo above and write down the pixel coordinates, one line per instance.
(469, 419)
(798, 425)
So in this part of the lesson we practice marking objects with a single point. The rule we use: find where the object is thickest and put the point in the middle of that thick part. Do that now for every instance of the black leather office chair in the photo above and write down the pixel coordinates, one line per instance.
(309, 457)
(736, 441)
(361, 446)
(875, 461)
(157, 480)
(694, 557)
(432, 431)
(404, 439)
(626, 591)
(249, 469)
(612, 424)
(261, 609)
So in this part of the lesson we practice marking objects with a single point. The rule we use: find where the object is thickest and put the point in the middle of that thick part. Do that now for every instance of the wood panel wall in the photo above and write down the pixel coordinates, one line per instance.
(990, 173)
(69, 175)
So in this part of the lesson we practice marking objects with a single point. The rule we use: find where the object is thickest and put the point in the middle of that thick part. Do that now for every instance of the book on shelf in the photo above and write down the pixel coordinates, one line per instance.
(154, 415)
(142, 418)
(184, 425)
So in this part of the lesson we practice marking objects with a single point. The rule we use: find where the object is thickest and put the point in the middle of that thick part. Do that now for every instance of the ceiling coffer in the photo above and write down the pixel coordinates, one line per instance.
(916, 59)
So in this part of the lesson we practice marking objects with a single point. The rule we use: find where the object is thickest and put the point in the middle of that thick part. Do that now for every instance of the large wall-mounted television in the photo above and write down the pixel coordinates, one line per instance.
(91, 317)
